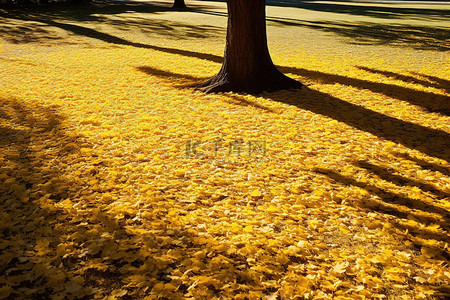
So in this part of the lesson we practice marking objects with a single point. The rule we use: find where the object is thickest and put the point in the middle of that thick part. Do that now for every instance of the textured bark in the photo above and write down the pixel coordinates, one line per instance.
(247, 65)
(179, 4)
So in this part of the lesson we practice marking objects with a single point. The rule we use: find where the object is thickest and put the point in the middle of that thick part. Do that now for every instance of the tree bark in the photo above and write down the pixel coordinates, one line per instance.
(179, 4)
(247, 65)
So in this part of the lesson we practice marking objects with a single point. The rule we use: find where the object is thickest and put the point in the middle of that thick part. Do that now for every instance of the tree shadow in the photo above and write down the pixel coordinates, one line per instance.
(392, 198)
(30, 139)
(106, 37)
(82, 12)
(188, 79)
(369, 33)
(425, 164)
(25, 33)
(183, 81)
(430, 141)
(402, 208)
(437, 82)
(94, 11)
(34, 24)
(380, 10)
(387, 175)
(63, 236)
(365, 33)
(430, 101)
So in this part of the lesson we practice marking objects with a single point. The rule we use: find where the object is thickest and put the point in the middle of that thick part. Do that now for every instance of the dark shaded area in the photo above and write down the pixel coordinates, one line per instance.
(95, 34)
(367, 33)
(443, 292)
(241, 101)
(369, 10)
(8, 135)
(26, 178)
(72, 19)
(35, 3)
(94, 11)
(30, 33)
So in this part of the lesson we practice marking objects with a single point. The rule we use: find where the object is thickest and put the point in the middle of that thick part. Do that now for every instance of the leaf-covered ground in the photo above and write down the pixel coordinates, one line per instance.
(120, 181)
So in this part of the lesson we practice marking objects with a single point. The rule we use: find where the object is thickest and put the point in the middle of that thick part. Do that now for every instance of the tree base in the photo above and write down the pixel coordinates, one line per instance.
(179, 6)
(267, 82)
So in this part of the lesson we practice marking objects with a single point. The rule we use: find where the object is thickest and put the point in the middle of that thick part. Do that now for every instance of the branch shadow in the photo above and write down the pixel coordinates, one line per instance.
(170, 75)
(98, 35)
(25, 33)
(183, 81)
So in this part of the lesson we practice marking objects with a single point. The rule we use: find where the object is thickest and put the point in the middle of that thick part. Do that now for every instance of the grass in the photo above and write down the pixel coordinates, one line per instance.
(120, 181)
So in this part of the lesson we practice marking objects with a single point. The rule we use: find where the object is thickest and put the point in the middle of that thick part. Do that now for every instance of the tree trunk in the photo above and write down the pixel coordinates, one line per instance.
(179, 4)
(247, 65)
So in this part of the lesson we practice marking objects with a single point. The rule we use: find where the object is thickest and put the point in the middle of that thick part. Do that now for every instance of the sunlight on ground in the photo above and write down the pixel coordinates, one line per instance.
(119, 179)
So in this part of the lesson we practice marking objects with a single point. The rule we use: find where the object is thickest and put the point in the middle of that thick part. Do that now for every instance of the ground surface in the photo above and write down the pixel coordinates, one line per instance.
(119, 180)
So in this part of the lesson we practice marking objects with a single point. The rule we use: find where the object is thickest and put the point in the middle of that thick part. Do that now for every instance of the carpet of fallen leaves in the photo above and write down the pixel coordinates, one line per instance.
(119, 180)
